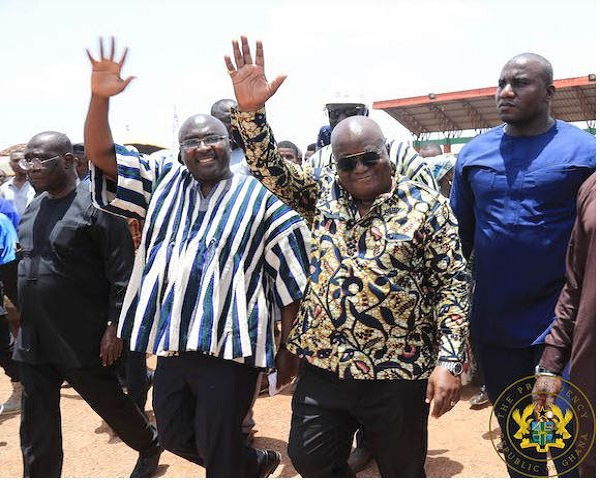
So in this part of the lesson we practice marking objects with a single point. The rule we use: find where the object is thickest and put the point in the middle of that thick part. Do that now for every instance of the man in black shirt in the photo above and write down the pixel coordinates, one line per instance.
(72, 277)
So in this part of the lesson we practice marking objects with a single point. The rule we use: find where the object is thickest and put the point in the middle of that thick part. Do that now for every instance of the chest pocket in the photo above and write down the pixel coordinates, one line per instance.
(69, 238)
(486, 182)
(556, 188)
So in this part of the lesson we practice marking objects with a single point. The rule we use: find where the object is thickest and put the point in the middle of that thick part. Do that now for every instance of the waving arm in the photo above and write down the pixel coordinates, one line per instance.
(106, 83)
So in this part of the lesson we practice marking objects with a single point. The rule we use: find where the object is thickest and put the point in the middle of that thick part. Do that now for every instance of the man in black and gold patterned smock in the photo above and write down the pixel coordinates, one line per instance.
(382, 327)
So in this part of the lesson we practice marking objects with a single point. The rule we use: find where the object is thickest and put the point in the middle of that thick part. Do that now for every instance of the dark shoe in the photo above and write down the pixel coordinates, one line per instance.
(359, 458)
(270, 461)
(146, 466)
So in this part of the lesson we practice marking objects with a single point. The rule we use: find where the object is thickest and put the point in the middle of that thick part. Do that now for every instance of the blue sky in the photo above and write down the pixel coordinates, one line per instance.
(377, 50)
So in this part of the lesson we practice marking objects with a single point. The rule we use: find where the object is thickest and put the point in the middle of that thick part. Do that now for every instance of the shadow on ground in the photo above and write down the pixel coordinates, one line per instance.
(438, 466)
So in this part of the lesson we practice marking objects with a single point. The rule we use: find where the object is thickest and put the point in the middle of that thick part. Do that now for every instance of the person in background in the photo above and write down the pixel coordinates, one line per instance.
(310, 150)
(441, 165)
(289, 151)
(8, 245)
(82, 166)
(221, 109)
(17, 189)
(573, 333)
(324, 136)
(514, 195)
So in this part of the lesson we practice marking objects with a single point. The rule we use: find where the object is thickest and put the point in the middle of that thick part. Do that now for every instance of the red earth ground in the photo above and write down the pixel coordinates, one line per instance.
(460, 444)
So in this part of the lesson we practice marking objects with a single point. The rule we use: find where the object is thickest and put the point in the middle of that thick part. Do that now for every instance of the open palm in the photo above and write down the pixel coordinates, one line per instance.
(106, 72)
(251, 87)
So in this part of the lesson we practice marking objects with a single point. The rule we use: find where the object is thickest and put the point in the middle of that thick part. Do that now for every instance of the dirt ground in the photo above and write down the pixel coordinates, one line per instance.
(459, 442)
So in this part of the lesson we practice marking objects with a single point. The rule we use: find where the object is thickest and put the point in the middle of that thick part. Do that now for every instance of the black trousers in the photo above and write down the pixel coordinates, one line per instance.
(41, 437)
(11, 368)
(199, 402)
(327, 411)
(133, 371)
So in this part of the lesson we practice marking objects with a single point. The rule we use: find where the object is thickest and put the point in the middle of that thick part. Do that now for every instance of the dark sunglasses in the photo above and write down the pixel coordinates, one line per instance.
(345, 112)
(368, 159)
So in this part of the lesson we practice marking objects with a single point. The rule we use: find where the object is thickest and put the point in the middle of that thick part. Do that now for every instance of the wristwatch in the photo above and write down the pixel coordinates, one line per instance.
(544, 372)
(455, 368)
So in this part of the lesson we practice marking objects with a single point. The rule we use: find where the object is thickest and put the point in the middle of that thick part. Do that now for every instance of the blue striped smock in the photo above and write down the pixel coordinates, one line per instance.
(209, 270)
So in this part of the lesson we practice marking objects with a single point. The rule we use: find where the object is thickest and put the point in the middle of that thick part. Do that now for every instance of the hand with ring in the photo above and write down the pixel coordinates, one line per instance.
(443, 390)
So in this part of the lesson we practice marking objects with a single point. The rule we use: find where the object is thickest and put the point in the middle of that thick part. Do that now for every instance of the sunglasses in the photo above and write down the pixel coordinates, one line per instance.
(345, 112)
(368, 159)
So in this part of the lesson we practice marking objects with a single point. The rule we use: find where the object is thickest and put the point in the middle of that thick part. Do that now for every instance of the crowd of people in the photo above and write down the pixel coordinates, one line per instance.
(362, 271)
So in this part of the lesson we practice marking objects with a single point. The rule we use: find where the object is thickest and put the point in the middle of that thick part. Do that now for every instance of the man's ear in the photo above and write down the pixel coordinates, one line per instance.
(179, 158)
(70, 160)
(550, 91)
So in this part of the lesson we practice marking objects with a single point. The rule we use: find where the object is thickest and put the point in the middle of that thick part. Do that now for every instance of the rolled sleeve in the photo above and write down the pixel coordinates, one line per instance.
(287, 260)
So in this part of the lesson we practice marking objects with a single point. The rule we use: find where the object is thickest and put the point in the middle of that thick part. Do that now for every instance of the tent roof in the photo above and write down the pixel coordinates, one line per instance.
(574, 100)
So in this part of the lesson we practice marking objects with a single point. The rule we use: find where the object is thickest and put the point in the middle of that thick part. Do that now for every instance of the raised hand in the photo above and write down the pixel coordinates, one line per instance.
(251, 87)
(106, 73)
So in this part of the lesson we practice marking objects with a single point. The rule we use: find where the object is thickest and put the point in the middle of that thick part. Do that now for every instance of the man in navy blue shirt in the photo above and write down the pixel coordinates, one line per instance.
(514, 196)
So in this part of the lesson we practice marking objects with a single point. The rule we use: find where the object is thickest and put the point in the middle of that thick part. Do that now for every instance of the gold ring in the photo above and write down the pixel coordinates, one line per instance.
(231, 72)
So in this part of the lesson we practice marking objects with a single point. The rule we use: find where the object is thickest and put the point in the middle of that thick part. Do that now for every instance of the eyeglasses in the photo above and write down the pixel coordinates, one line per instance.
(197, 142)
(368, 159)
(37, 163)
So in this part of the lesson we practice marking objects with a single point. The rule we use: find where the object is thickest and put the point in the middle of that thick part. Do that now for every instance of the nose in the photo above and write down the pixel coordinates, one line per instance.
(506, 91)
(360, 166)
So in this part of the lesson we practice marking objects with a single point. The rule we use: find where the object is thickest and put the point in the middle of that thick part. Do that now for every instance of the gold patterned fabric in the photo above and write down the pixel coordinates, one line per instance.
(387, 294)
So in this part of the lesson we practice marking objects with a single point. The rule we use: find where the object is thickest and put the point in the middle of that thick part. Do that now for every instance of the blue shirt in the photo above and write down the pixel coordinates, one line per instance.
(8, 209)
(514, 199)
(8, 240)
(209, 270)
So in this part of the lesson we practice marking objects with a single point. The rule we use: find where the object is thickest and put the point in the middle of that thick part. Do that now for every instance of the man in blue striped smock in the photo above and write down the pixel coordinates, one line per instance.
(218, 251)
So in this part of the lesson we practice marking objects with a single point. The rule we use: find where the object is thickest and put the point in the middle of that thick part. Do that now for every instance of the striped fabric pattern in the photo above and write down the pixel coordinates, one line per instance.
(403, 157)
(209, 270)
